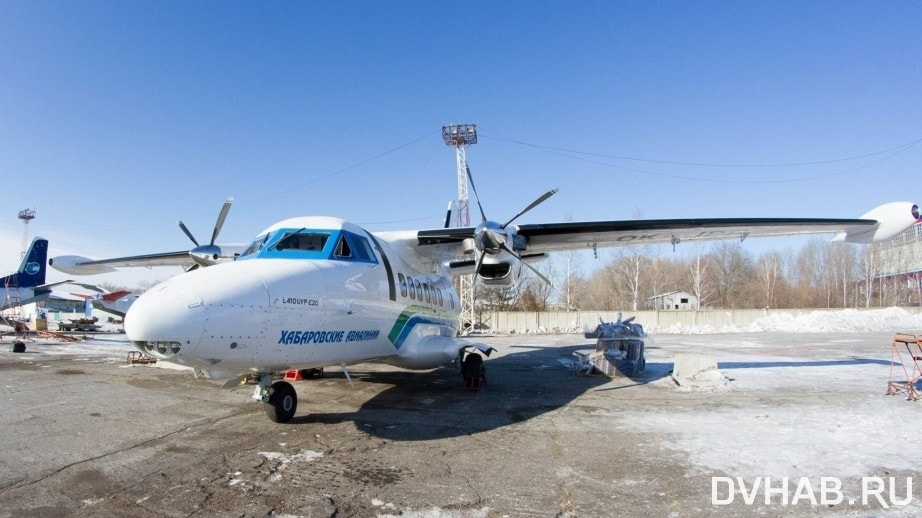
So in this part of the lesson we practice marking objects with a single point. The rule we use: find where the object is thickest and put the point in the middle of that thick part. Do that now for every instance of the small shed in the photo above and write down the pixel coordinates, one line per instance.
(674, 300)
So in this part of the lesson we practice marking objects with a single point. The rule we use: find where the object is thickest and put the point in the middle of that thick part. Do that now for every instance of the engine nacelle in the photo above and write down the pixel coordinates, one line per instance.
(426, 352)
(73, 264)
(498, 272)
(893, 219)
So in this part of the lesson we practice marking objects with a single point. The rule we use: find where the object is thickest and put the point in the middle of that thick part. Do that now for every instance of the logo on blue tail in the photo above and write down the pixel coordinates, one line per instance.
(32, 268)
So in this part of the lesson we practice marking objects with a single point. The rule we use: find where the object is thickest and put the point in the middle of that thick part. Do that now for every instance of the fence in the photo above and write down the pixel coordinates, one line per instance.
(575, 321)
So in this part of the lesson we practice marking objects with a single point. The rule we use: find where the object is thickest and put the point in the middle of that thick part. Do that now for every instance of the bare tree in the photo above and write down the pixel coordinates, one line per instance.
(842, 264)
(628, 269)
(699, 270)
(812, 276)
(731, 270)
(870, 267)
(768, 270)
(536, 293)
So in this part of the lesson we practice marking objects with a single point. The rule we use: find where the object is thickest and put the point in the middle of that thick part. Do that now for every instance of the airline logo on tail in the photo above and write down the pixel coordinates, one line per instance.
(31, 271)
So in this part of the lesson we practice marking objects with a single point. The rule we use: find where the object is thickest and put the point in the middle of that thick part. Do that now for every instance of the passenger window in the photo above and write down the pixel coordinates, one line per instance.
(419, 290)
(403, 284)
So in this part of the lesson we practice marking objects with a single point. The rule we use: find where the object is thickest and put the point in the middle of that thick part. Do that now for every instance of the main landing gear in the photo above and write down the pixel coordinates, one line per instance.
(473, 372)
(280, 398)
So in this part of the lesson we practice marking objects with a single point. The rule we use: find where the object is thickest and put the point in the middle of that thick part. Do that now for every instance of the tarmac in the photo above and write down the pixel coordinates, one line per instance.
(87, 434)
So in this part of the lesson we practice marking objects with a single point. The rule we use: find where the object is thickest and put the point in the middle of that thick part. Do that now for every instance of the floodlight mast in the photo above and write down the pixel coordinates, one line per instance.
(25, 215)
(460, 136)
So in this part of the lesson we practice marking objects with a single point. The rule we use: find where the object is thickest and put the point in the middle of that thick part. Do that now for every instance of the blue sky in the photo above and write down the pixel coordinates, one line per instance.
(119, 118)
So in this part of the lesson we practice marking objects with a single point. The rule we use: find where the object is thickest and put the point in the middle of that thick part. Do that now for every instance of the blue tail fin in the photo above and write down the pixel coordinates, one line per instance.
(32, 270)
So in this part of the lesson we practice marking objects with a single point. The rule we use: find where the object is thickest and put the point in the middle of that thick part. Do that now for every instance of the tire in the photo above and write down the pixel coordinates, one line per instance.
(283, 402)
(18, 347)
(473, 366)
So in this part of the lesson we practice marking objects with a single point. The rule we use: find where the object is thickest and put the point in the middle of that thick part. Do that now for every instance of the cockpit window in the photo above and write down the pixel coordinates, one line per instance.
(343, 250)
(255, 246)
(362, 249)
(353, 247)
(312, 244)
(306, 241)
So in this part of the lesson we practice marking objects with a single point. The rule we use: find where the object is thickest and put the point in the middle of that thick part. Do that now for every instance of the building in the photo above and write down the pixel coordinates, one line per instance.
(901, 255)
(673, 300)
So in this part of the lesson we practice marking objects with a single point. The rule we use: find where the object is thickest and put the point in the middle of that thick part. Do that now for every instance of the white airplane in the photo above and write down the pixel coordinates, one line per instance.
(27, 284)
(200, 255)
(311, 292)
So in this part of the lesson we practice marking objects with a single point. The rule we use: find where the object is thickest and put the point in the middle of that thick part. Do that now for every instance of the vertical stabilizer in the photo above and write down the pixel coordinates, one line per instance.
(31, 272)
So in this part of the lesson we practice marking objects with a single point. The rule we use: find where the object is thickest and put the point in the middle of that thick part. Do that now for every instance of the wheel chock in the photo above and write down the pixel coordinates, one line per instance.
(293, 375)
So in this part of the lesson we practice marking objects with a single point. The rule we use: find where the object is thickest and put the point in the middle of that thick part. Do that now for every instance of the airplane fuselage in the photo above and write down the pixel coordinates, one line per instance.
(309, 293)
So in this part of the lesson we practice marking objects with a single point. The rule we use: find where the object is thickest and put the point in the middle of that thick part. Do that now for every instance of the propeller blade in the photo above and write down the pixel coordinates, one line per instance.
(200, 261)
(530, 267)
(479, 263)
(470, 178)
(448, 216)
(221, 216)
(534, 204)
(188, 234)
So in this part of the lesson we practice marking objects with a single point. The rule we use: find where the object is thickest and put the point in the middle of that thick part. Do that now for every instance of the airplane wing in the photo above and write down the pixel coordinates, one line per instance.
(48, 286)
(77, 265)
(555, 237)
(457, 244)
(567, 236)
(200, 255)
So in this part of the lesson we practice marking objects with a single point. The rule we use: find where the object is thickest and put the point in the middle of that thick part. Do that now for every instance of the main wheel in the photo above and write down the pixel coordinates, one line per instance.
(473, 372)
(283, 402)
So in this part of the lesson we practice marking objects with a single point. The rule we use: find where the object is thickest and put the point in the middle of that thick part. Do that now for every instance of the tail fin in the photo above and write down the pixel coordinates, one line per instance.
(31, 272)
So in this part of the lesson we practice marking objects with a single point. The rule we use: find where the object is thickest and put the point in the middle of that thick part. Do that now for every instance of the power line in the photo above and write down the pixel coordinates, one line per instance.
(898, 149)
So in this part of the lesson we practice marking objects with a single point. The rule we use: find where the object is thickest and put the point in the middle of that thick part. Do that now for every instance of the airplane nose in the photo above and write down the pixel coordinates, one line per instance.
(165, 320)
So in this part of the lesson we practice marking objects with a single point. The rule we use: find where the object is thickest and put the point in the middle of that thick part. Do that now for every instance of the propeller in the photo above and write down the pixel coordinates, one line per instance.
(207, 255)
(448, 216)
(492, 238)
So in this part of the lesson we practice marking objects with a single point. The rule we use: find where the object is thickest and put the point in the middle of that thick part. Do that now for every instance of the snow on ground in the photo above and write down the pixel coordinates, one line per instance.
(817, 321)
(791, 416)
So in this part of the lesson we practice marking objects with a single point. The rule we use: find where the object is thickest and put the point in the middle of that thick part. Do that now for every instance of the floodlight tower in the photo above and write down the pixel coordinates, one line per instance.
(460, 136)
(25, 216)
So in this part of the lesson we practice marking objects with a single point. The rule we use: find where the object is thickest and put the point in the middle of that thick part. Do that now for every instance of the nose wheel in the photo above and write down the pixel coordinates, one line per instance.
(280, 399)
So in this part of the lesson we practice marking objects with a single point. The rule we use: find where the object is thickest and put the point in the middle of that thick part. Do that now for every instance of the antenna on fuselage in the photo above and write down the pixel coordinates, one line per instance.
(346, 372)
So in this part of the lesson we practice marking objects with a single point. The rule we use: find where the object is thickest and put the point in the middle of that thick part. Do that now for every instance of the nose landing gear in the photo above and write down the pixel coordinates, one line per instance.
(280, 399)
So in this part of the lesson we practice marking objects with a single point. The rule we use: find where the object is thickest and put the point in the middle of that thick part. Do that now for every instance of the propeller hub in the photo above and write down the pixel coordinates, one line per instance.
(490, 238)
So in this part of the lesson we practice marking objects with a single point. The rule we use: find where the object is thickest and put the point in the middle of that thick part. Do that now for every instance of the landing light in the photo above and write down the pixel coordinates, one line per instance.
(162, 347)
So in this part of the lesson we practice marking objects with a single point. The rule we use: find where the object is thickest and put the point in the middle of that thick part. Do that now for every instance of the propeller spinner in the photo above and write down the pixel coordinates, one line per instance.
(207, 255)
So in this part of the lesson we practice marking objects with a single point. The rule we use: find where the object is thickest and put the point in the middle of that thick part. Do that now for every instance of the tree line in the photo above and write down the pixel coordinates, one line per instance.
(821, 274)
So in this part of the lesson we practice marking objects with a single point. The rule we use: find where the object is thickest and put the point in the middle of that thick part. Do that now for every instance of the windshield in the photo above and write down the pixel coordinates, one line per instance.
(303, 240)
(305, 243)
